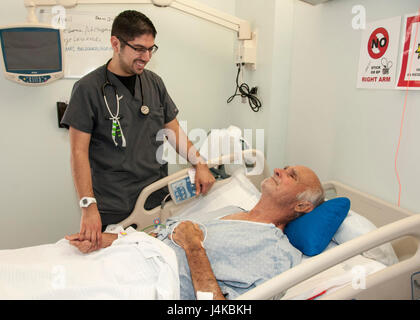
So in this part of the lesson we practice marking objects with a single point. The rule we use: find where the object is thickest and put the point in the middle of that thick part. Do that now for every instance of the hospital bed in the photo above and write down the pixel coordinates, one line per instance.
(331, 271)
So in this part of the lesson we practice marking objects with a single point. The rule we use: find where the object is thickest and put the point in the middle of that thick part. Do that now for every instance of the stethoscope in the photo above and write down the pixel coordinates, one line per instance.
(116, 130)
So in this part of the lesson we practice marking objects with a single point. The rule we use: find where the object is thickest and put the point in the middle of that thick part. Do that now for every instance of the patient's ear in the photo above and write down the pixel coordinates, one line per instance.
(304, 207)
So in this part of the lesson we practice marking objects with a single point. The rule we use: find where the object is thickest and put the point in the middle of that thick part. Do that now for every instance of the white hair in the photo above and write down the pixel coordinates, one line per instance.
(315, 196)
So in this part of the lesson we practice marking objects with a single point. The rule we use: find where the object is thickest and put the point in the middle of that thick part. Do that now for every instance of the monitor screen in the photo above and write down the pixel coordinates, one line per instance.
(31, 50)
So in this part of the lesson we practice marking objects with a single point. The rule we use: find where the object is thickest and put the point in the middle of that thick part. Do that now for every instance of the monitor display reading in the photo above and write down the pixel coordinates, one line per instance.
(37, 50)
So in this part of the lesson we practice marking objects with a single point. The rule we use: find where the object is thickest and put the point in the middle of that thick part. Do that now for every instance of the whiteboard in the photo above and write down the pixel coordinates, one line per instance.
(86, 38)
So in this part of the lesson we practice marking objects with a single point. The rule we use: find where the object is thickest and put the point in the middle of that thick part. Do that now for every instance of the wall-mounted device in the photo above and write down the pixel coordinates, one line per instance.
(32, 54)
(61, 109)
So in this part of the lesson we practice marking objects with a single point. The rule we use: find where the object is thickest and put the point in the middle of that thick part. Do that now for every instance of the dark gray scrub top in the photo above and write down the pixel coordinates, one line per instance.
(119, 174)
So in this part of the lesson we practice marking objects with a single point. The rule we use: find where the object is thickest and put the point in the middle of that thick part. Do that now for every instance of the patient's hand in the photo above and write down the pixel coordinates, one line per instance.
(188, 235)
(86, 246)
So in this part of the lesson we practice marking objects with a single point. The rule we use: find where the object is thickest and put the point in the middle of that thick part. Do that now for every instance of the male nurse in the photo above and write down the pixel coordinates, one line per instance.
(114, 115)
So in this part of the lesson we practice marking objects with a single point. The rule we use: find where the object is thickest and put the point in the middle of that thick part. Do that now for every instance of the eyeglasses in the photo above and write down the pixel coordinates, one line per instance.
(141, 49)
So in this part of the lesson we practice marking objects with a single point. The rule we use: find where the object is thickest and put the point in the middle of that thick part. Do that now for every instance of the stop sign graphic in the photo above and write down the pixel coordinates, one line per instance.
(378, 43)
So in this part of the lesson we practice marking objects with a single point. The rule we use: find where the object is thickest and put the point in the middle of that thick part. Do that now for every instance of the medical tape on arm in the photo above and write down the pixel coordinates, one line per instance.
(199, 223)
(204, 295)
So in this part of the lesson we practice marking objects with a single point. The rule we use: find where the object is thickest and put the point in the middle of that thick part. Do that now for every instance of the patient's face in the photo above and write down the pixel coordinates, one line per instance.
(285, 184)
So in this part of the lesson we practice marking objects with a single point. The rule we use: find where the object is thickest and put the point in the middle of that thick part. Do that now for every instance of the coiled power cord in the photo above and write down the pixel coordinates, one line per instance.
(245, 92)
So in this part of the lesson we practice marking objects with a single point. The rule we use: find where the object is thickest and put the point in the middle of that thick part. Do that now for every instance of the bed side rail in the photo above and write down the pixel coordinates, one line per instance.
(409, 226)
(142, 217)
(378, 211)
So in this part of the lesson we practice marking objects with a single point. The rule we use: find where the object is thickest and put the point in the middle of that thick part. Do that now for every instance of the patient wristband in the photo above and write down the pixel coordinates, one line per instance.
(120, 231)
(121, 234)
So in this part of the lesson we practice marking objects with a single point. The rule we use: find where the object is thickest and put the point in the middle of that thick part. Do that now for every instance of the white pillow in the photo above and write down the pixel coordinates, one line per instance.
(355, 225)
(238, 192)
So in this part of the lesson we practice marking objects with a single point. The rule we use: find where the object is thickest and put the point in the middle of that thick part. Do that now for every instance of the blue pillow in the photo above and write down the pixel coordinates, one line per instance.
(312, 232)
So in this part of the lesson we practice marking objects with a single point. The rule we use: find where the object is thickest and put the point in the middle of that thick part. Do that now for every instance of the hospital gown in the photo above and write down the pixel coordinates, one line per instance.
(242, 254)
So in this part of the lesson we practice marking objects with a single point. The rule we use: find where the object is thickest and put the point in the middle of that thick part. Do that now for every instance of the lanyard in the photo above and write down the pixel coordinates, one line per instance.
(116, 125)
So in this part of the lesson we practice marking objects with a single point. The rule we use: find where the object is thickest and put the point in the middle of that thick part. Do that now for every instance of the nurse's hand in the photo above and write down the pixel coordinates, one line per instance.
(204, 180)
(91, 226)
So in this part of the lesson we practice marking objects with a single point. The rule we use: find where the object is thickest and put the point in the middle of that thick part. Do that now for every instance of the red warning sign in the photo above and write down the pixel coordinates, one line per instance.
(378, 43)
(410, 64)
(378, 54)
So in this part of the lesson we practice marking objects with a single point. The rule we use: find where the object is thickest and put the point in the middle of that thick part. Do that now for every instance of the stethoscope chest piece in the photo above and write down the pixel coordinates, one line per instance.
(144, 110)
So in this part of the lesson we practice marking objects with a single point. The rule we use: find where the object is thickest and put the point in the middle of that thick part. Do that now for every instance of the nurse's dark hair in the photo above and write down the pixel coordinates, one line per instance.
(130, 24)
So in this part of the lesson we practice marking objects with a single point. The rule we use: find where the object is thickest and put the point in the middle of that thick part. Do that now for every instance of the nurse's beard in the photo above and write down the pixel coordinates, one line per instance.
(137, 67)
(130, 69)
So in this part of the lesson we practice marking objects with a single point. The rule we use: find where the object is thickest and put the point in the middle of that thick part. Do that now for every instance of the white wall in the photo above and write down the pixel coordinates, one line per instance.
(39, 203)
(344, 133)
(273, 22)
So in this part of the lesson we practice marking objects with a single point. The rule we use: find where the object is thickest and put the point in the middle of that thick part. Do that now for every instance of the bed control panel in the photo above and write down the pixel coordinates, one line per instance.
(182, 190)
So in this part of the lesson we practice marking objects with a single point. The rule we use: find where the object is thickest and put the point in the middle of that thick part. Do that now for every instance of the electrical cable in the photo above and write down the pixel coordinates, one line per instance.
(245, 92)
(152, 226)
(162, 204)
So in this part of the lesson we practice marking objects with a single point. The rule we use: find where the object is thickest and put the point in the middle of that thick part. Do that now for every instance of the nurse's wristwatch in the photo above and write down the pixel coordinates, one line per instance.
(86, 202)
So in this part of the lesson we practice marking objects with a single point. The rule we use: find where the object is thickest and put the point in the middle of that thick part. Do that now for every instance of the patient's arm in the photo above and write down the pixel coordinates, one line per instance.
(85, 246)
(189, 236)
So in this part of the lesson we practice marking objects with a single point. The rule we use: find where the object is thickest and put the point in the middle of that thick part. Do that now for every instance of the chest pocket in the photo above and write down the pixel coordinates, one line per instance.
(156, 123)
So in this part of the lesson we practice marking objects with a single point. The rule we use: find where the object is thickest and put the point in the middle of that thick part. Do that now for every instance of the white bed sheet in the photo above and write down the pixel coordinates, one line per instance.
(135, 267)
(238, 192)
(352, 271)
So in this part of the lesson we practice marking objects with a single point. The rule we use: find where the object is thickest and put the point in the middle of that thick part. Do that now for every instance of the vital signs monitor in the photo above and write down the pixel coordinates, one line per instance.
(32, 54)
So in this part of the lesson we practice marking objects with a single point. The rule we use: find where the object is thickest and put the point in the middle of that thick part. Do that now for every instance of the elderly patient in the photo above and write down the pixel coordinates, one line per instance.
(242, 248)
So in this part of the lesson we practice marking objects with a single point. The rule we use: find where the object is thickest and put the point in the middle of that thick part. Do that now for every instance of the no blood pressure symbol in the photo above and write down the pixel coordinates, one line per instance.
(378, 43)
